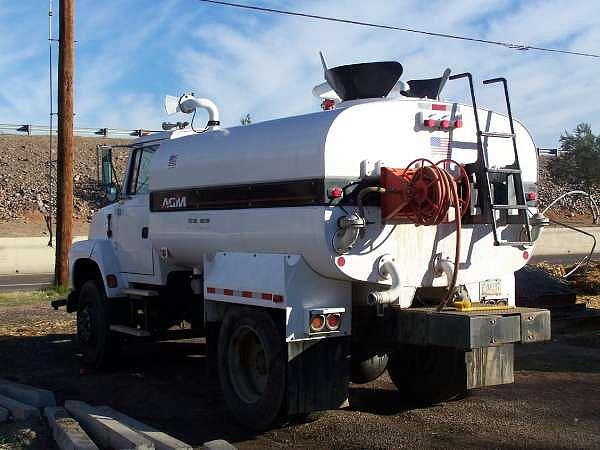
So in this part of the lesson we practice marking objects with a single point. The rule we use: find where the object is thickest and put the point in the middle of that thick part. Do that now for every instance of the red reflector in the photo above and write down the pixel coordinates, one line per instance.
(277, 298)
(227, 292)
(531, 196)
(445, 124)
(430, 123)
(458, 123)
(247, 294)
(265, 296)
(327, 104)
(525, 255)
(335, 192)
(437, 107)
(210, 290)
(341, 261)
(111, 281)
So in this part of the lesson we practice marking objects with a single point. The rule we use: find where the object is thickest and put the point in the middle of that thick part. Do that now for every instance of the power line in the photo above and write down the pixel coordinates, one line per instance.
(390, 27)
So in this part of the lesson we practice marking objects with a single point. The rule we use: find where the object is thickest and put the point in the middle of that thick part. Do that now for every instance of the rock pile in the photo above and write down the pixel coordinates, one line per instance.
(25, 169)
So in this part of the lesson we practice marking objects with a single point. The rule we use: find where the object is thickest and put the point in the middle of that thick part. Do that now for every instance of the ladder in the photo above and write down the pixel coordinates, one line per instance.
(513, 170)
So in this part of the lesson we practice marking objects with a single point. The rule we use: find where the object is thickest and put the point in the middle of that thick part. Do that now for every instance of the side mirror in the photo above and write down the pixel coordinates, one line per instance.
(107, 172)
(111, 189)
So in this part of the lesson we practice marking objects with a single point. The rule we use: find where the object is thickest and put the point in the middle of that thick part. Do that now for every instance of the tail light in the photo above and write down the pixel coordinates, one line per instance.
(531, 196)
(333, 321)
(430, 123)
(317, 323)
(325, 320)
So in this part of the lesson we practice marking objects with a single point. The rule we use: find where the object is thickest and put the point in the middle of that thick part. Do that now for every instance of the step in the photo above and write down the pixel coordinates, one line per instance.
(133, 292)
(496, 135)
(161, 441)
(503, 170)
(30, 395)
(514, 243)
(66, 431)
(509, 206)
(129, 330)
(106, 431)
(19, 410)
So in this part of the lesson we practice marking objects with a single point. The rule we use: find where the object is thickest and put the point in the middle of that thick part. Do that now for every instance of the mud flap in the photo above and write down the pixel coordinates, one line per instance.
(317, 374)
(489, 366)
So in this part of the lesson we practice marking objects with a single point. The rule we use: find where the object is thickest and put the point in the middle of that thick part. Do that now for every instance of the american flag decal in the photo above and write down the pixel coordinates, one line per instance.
(172, 161)
(441, 148)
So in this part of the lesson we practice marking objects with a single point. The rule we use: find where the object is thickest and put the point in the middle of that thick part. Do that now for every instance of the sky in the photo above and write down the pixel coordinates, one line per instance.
(130, 53)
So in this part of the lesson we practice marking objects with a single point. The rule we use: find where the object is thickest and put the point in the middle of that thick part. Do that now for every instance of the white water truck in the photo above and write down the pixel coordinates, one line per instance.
(318, 250)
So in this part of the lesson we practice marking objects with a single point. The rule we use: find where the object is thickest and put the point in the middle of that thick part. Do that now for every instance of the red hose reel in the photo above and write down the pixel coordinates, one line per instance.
(424, 192)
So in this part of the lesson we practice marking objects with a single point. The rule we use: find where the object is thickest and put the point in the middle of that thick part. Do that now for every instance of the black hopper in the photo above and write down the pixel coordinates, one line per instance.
(427, 88)
(366, 80)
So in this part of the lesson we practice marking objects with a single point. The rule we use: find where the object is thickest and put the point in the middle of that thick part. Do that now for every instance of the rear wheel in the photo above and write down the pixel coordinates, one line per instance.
(365, 366)
(98, 346)
(252, 367)
(426, 375)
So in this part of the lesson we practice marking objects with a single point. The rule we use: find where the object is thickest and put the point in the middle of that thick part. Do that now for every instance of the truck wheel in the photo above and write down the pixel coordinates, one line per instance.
(252, 367)
(426, 375)
(99, 348)
(365, 367)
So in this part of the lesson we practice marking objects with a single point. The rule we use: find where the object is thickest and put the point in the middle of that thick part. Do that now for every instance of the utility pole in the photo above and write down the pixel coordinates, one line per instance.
(64, 164)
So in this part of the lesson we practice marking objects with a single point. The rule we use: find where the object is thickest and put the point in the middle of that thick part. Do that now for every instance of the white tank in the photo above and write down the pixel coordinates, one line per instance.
(262, 188)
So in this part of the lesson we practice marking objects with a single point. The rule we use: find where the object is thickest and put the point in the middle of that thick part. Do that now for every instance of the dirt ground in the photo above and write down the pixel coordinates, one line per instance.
(554, 403)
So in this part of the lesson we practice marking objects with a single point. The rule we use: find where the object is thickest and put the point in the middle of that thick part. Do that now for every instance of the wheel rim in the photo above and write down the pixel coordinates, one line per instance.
(248, 365)
(84, 325)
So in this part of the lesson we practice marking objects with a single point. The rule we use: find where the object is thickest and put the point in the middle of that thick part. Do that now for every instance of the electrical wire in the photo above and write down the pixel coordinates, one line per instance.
(394, 28)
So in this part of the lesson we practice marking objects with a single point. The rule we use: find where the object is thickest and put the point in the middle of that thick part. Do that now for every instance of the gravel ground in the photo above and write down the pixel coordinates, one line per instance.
(554, 403)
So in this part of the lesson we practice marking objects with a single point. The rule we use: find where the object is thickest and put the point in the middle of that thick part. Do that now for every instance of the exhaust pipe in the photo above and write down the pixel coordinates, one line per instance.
(387, 269)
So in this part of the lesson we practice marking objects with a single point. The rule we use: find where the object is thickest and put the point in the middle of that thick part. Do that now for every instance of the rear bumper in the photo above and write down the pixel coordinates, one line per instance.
(467, 330)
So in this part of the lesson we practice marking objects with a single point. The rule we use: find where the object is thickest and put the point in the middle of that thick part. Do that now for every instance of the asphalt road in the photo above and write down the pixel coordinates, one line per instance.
(11, 283)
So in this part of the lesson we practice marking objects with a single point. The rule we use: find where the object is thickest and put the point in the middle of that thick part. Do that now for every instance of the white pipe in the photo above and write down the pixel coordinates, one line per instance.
(446, 267)
(387, 269)
(188, 103)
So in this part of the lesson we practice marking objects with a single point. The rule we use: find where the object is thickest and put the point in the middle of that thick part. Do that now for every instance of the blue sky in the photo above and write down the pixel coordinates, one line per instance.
(130, 53)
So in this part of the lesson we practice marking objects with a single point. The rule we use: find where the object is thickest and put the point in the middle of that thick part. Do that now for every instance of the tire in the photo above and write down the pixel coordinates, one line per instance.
(252, 367)
(426, 375)
(365, 367)
(98, 346)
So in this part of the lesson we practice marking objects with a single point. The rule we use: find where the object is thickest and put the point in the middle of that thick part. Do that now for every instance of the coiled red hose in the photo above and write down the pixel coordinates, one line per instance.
(433, 190)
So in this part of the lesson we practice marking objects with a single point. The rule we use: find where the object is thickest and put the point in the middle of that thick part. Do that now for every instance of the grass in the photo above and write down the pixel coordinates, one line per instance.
(21, 298)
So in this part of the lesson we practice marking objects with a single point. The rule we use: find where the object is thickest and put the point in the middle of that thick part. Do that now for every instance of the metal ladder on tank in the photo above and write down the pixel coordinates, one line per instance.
(512, 169)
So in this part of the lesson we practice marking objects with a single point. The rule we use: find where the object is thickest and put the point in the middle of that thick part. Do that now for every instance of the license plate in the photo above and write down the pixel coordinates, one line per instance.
(490, 287)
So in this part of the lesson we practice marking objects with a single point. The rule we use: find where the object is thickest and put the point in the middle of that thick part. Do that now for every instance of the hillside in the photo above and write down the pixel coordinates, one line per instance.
(24, 178)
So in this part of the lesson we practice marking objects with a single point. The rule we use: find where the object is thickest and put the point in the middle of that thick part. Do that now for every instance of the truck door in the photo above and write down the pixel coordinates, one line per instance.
(131, 237)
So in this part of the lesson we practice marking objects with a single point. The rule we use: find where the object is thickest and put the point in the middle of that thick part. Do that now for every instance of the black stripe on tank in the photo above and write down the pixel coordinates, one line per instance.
(307, 192)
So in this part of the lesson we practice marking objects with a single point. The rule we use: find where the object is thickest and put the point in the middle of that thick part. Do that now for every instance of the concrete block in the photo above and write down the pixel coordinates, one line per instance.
(20, 411)
(67, 433)
(4, 414)
(162, 441)
(218, 444)
(106, 431)
(40, 398)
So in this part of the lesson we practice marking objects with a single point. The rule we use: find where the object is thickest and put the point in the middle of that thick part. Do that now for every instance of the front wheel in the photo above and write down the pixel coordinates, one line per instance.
(426, 375)
(252, 367)
(98, 346)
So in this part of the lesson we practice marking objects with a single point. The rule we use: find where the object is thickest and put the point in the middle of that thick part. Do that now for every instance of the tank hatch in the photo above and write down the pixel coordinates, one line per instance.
(365, 80)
